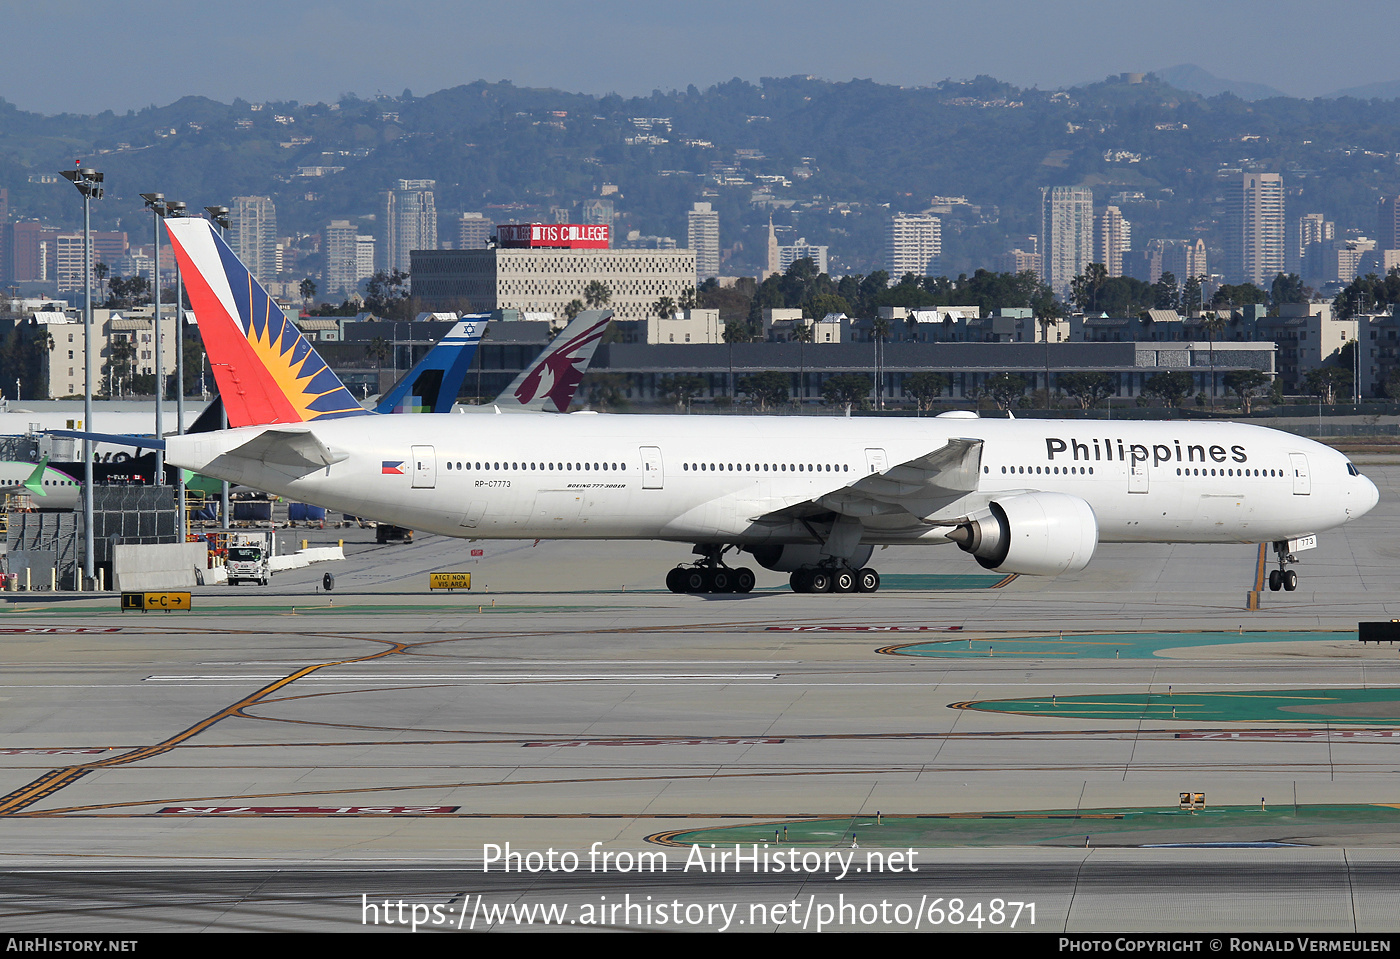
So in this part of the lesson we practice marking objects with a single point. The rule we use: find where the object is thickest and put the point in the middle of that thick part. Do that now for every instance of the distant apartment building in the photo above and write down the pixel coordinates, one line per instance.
(473, 231)
(1183, 259)
(702, 236)
(6, 264)
(253, 234)
(364, 255)
(802, 250)
(1254, 245)
(409, 222)
(1305, 252)
(1342, 258)
(1387, 223)
(1115, 237)
(1019, 261)
(1066, 233)
(913, 244)
(598, 211)
(340, 245)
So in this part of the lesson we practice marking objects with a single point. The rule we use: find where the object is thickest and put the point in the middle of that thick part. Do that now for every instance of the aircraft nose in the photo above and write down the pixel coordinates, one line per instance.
(1370, 495)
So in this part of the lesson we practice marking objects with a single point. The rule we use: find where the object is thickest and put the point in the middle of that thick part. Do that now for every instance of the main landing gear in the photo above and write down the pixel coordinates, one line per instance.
(835, 579)
(710, 575)
(1283, 577)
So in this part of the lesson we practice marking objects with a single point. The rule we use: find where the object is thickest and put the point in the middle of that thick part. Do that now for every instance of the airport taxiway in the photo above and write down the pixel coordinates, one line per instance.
(176, 771)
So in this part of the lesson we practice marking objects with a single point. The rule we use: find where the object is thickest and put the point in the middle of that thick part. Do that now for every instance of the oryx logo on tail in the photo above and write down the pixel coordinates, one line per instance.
(550, 381)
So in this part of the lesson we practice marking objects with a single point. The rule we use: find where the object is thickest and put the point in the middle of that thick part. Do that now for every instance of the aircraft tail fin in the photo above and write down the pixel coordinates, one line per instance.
(266, 370)
(432, 386)
(549, 383)
(35, 483)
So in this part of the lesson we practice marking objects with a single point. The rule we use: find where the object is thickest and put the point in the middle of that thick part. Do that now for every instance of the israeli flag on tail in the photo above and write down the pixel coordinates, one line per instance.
(432, 385)
(266, 370)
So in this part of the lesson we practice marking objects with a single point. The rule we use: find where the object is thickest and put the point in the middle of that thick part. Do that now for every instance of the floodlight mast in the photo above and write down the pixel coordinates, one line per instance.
(89, 184)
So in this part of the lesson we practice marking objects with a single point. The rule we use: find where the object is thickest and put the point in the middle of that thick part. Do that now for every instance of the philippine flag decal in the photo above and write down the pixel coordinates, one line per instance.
(391, 468)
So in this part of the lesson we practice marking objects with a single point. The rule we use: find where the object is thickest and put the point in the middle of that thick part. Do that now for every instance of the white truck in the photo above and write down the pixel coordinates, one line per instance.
(249, 556)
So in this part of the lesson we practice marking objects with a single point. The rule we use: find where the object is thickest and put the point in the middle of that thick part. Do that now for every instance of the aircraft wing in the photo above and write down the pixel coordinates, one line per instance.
(549, 383)
(921, 487)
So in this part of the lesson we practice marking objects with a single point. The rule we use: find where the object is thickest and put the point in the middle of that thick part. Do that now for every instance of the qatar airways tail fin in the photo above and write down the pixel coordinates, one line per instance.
(549, 383)
(266, 370)
(432, 386)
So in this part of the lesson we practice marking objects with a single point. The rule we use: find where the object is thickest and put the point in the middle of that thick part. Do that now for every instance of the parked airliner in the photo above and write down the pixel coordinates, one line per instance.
(808, 495)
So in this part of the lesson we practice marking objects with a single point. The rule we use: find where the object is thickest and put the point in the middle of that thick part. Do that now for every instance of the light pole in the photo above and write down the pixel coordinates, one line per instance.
(219, 214)
(156, 202)
(89, 184)
(175, 208)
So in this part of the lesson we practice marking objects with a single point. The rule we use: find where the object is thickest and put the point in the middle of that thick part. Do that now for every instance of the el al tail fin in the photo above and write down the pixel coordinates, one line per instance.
(266, 370)
(432, 386)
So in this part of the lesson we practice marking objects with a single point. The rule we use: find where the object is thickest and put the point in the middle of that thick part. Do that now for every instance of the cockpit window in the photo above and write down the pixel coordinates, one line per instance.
(1352, 470)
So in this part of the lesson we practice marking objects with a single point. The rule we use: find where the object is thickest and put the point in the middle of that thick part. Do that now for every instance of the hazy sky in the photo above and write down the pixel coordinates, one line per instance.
(85, 56)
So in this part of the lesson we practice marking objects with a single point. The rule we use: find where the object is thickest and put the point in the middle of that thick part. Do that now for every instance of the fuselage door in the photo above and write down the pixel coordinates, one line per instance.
(424, 467)
(1137, 476)
(875, 460)
(1302, 485)
(653, 474)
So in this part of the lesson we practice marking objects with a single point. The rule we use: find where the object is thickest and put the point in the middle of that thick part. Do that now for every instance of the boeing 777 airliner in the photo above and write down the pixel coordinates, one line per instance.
(808, 495)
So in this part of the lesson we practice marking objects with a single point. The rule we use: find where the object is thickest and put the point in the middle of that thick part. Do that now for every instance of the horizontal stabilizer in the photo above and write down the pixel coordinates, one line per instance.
(299, 449)
(116, 439)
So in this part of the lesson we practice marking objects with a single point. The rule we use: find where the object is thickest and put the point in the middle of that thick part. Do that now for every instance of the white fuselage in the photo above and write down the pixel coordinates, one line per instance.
(60, 491)
(704, 479)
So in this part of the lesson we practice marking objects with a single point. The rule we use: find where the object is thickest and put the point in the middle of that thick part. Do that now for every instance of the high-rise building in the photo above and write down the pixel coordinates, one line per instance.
(340, 246)
(1115, 238)
(598, 211)
(473, 231)
(364, 257)
(1184, 259)
(1066, 233)
(788, 255)
(1254, 247)
(1387, 226)
(1305, 253)
(6, 265)
(410, 222)
(703, 237)
(1019, 261)
(913, 244)
(253, 234)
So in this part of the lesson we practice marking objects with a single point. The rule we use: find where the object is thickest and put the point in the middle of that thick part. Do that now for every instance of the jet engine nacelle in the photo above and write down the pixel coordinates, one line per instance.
(1043, 534)
(795, 556)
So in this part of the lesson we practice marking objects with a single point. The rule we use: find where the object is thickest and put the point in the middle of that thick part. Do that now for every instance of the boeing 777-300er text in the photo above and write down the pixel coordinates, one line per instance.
(807, 495)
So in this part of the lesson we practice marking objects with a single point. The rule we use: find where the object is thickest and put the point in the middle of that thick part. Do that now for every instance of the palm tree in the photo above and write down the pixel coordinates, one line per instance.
(1214, 323)
(803, 334)
(596, 294)
(665, 308)
(879, 332)
(1047, 316)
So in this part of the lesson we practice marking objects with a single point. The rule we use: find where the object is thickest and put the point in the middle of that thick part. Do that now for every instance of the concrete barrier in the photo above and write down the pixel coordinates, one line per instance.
(159, 566)
(305, 557)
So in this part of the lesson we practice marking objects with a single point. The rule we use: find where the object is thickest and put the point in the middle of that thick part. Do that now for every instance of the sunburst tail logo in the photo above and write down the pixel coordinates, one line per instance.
(266, 370)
